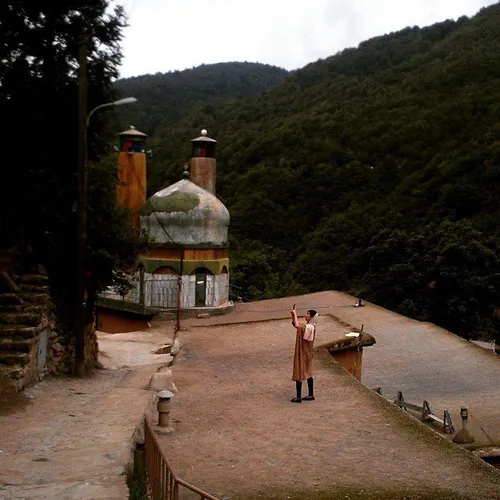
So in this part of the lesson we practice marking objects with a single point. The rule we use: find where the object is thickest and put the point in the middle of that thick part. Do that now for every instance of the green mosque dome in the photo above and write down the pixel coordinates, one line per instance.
(185, 215)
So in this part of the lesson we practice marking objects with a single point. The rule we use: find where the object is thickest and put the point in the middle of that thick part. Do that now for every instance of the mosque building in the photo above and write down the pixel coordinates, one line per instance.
(187, 258)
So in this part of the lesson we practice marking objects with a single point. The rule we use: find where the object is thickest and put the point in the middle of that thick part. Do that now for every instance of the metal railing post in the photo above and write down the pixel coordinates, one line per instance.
(161, 480)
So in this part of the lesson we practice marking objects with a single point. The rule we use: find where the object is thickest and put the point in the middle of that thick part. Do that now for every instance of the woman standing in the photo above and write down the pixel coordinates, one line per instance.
(302, 360)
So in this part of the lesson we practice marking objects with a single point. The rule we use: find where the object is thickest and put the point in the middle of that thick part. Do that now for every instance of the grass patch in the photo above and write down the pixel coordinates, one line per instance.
(136, 481)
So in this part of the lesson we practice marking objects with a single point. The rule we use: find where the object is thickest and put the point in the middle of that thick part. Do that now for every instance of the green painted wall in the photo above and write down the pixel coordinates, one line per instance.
(214, 266)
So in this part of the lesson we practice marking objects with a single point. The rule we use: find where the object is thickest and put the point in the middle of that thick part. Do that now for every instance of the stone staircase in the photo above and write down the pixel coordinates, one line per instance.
(32, 344)
(26, 318)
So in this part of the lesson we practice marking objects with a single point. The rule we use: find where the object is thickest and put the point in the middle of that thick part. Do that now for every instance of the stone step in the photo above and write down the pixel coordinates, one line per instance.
(39, 278)
(19, 331)
(16, 344)
(10, 299)
(35, 298)
(7, 284)
(34, 308)
(35, 288)
(32, 279)
(11, 308)
(20, 318)
(14, 358)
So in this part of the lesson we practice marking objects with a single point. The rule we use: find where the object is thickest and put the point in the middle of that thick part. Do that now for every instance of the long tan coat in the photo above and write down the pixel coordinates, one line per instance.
(302, 360)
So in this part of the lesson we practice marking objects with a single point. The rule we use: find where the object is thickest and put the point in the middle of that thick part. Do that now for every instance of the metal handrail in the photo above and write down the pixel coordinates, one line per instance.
(427, 413)
(163, 483)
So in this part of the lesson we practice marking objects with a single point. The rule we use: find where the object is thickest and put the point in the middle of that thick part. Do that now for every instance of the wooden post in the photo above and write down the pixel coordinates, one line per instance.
(80, 316)
(179, 300)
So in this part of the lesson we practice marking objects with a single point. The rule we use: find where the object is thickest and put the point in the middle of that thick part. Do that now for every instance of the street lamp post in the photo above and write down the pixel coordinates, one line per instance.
(84, 120)
(126, 100)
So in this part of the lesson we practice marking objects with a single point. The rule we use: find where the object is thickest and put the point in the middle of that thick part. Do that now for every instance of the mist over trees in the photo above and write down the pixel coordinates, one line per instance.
(375, 171)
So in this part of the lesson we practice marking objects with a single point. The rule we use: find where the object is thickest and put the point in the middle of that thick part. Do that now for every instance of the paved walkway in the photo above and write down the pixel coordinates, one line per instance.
(238, 436)
(427, 362)
(420, 359)
(73, 438)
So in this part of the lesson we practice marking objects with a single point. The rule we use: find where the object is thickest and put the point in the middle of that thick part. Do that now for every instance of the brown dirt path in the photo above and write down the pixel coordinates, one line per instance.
(238, 436)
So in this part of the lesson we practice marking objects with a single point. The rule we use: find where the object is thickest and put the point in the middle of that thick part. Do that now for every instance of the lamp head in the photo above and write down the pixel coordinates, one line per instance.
(126, 100)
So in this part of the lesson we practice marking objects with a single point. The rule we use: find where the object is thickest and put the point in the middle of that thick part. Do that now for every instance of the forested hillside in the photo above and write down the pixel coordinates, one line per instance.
(164, 97)
(375, 171)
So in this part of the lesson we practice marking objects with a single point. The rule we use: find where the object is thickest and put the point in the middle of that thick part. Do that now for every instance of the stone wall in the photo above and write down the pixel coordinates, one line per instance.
(31, 344)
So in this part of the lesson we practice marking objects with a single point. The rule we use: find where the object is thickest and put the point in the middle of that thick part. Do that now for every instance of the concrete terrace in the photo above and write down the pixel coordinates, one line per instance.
(238, 436)
(420, 359)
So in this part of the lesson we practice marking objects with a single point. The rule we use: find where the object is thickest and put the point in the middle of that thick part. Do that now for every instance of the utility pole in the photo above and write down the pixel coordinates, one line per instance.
(80, 313)
(179, 295)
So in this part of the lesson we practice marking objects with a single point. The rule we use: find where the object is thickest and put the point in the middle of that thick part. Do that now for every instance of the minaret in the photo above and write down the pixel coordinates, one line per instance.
(202, 166)
(132, 173)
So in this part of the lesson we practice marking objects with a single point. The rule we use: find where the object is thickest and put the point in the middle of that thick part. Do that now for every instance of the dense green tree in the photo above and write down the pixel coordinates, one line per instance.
(448, 274)
(165, 96)
(465, 278)
(39, 47)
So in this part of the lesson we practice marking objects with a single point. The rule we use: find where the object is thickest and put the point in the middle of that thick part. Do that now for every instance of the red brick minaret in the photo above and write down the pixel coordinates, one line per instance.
(202, 166)
(132, 173)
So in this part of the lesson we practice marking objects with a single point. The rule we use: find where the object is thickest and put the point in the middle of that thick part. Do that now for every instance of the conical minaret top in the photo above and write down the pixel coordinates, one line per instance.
(202, 166)
(132, 141)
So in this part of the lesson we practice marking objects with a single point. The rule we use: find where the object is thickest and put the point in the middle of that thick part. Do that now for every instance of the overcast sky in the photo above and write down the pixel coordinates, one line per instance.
(166, 35)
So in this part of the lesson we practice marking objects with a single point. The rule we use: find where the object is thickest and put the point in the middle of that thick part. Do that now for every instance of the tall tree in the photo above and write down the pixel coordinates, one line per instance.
(39, 46)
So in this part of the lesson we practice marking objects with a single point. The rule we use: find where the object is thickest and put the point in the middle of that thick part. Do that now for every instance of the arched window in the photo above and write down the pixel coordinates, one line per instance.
(162, 288)
(203, 295)
(165, 270)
